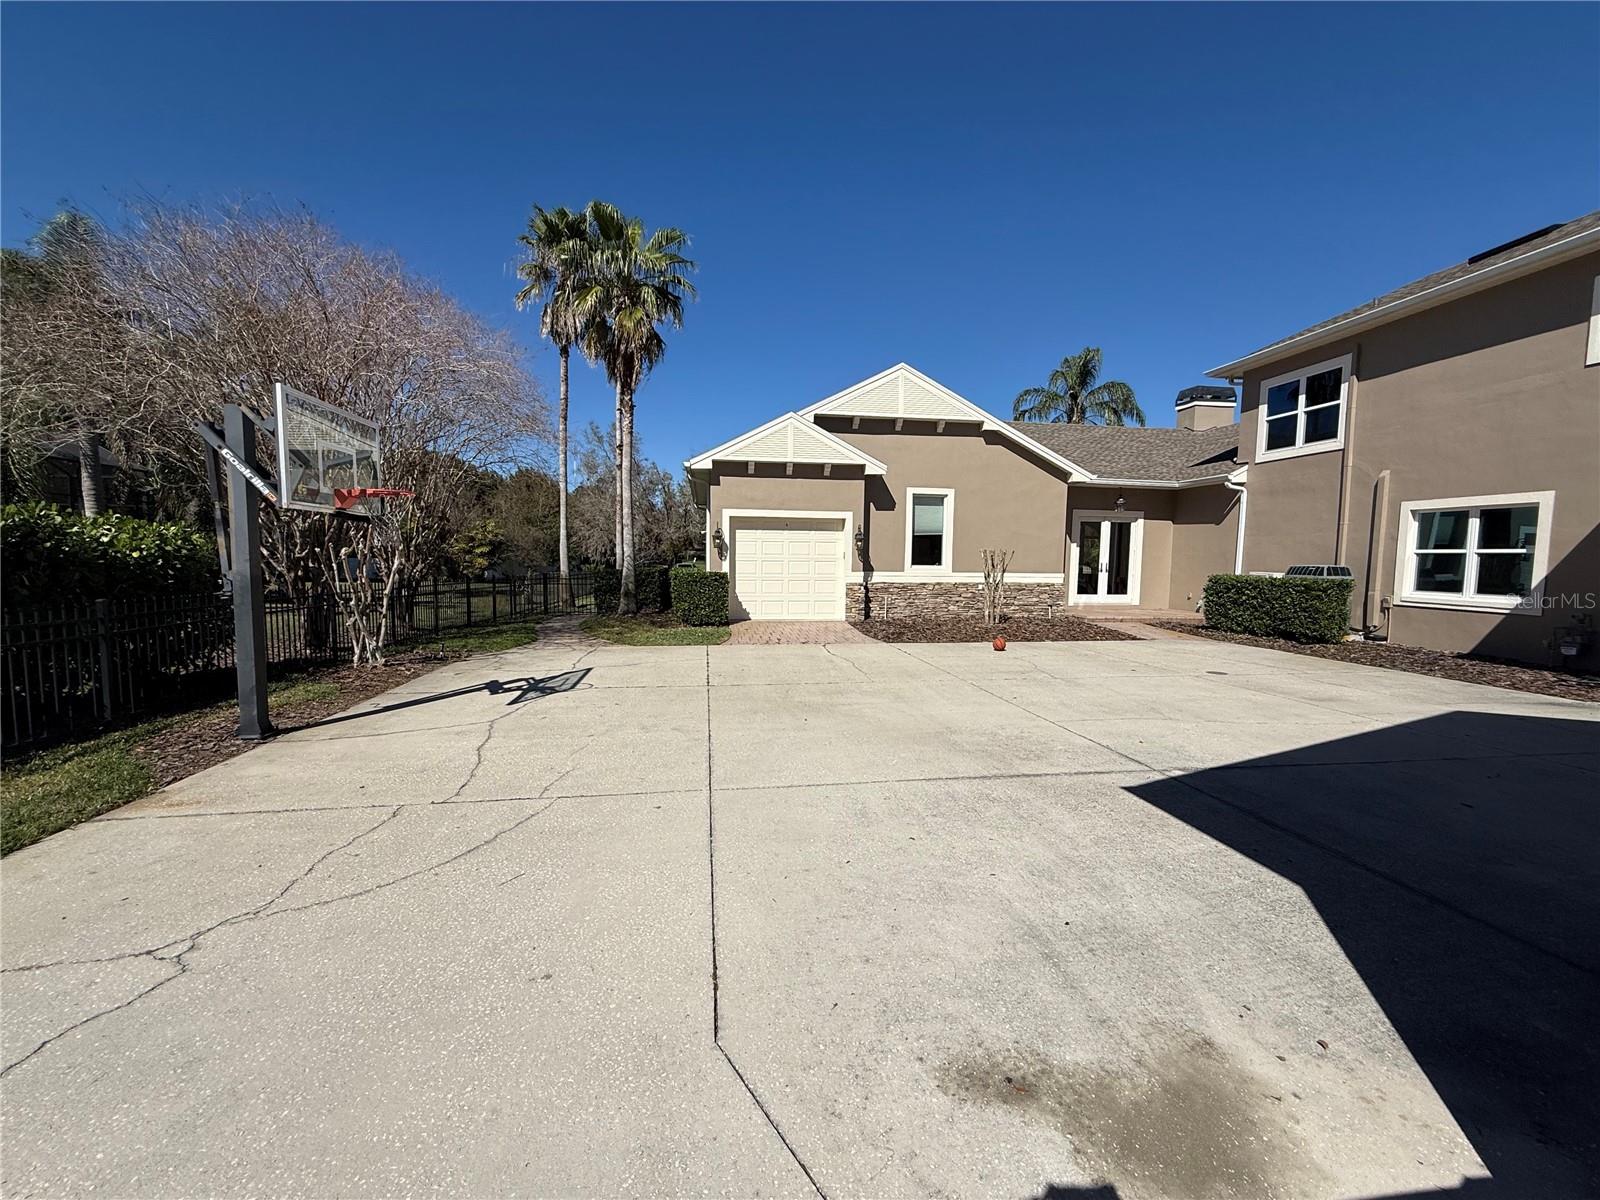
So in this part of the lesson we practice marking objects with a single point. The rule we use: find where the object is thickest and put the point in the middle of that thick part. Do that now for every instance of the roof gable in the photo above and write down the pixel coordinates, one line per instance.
(789, 439)
(903, 393)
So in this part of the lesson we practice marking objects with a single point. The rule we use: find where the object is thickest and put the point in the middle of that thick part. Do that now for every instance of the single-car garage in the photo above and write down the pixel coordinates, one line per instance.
(787, 568)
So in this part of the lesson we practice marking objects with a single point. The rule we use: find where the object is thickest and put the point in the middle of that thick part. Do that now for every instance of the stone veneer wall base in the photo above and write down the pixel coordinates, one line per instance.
(908, 601)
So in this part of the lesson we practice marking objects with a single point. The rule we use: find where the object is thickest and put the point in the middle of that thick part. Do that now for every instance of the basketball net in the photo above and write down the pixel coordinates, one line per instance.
(345, 499)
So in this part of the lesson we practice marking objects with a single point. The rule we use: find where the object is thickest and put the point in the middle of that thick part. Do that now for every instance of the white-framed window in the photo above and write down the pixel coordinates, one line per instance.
(930, 525)
(1303, 412)
(1475, 552)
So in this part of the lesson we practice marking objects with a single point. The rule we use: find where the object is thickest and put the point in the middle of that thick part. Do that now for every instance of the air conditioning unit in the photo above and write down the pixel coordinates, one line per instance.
(1320, 570)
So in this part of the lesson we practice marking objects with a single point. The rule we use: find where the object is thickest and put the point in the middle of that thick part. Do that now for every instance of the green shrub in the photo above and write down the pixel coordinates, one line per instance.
(699, 597)
(607, 590)
(653, 588)
(55, 557)
(1300, 609)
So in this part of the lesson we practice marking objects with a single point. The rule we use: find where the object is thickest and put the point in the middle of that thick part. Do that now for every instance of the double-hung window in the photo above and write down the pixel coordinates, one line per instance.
(1303, 412)
(1475, 552)
(930, 516)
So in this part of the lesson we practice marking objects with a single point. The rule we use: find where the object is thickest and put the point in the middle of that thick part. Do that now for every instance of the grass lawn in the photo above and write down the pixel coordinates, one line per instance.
(66, 785)
(654, 629)
(69, 784)
(488, 639)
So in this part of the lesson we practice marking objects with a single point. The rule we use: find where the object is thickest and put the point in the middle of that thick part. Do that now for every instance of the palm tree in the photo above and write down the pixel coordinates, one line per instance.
(556, 240)
(1074, 396)
(632, 284)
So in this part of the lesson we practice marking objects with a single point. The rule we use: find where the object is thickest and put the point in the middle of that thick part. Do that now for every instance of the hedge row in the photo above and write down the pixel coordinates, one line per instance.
(654, 589)
(607, 590)
(1297, 608)
(699, 597)
(57, 557)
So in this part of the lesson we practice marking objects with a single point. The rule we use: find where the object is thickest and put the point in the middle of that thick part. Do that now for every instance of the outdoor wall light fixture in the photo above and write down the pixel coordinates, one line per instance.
(720, 542)
(861, 544)
(1122, 503)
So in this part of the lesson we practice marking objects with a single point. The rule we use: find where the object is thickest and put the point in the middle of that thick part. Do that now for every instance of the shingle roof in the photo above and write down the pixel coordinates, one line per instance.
(1477, 264)
(1159, 455)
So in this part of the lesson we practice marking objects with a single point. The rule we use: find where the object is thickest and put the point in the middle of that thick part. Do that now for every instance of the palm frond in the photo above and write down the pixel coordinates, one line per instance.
(1113, 403)
(1037, 404)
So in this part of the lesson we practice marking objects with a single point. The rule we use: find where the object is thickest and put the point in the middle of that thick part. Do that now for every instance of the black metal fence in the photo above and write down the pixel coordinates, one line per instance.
(69, 669)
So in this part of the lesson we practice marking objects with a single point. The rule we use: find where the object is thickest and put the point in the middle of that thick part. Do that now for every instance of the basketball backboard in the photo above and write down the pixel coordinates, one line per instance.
(322, 448)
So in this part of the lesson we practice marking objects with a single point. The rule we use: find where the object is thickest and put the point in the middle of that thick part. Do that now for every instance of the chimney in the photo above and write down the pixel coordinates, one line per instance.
(1205, 407)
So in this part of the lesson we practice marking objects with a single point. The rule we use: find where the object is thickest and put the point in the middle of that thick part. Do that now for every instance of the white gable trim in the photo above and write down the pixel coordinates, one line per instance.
(744, 449)
(843, 404)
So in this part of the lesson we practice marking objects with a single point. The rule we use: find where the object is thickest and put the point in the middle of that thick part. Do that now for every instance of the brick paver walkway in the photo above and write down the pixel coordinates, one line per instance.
(792, 633)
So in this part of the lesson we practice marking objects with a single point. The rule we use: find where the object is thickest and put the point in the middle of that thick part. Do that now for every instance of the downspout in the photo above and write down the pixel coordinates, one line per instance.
(1341, 540)
(1377, 538)
(1238, 541)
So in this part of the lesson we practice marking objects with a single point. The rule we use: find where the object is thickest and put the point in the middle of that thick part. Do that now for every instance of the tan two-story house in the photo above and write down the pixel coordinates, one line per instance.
(1443, 442)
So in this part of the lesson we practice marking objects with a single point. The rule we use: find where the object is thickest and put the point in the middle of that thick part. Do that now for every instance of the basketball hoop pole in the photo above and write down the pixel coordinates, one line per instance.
(245, 577)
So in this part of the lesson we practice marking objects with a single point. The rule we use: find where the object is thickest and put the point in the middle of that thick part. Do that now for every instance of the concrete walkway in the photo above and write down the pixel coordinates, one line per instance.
(1182, 918)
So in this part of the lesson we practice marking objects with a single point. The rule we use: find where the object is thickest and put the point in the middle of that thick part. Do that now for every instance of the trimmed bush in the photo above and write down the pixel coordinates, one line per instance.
(699, 597)
(57, 557)
(607, 590)
(654, 589)
(1300, 609)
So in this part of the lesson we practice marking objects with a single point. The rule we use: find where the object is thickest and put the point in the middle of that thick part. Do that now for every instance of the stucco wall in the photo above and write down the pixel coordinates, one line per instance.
(770, 488)
(1205, 526)
(1485, 395)
(1005, 499)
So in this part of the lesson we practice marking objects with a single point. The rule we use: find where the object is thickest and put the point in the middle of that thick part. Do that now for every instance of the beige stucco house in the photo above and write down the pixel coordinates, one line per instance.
(880, 499)
(1443, 441)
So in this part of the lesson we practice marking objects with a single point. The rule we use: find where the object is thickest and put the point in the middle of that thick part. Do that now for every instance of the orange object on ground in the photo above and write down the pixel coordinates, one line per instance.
(1000, 643)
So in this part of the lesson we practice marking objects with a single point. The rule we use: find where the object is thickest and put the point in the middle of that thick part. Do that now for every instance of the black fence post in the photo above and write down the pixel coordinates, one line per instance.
(469, 601)
(436, 604)
(102, 634)
(494, 602)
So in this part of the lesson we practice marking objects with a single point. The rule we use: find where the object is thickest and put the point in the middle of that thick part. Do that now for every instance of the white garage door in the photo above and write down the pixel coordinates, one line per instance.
(788, 569)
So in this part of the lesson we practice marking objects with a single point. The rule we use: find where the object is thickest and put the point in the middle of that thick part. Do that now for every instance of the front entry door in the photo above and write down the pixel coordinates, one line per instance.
(1107, 558)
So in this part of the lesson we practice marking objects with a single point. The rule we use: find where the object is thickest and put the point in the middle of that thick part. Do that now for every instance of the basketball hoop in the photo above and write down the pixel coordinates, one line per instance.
(347, 498)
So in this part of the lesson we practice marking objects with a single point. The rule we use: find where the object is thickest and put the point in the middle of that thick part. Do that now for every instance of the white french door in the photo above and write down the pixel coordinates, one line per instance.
(1105, 557)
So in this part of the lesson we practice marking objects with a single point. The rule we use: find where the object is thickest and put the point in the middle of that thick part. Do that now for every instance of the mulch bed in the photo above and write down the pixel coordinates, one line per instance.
(971, 629)
(196, 741)
(1437, 663)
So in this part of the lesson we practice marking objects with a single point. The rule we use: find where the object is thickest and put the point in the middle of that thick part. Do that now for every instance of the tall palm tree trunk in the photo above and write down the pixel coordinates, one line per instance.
(616, 479)
(561, 448)
(630, 593)
(90, 479)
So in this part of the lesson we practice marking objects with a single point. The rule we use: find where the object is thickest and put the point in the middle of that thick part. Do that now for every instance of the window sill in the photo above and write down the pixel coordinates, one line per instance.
(1525, 607)
(1299, 451)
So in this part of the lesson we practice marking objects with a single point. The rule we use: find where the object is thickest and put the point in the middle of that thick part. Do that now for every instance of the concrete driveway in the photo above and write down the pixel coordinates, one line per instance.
(1143, 919)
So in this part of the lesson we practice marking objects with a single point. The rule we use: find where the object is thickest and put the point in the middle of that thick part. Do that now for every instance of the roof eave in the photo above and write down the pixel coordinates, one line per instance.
(1158, 484)
(1502, 272)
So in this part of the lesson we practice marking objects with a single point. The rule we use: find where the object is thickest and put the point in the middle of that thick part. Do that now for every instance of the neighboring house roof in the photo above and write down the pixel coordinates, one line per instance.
(1523, 256)
(789, 439)
(1123, 454)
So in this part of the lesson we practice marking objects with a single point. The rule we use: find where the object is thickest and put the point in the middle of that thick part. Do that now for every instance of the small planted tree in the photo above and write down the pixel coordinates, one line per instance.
(995, 563)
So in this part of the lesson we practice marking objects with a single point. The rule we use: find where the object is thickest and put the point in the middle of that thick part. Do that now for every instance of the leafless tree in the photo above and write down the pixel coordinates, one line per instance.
(73, 374)
(995, 563)
(235, 300)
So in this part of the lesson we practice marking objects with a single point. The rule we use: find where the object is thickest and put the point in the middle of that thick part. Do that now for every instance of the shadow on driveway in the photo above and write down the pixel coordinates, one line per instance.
(521, 690)
(1457, 861)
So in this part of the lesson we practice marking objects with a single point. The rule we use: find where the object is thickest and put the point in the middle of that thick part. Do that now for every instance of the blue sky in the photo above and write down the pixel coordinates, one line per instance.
(974, 190)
